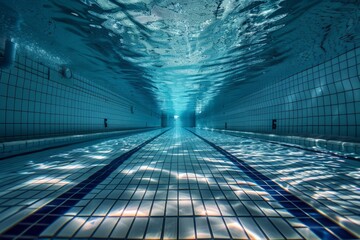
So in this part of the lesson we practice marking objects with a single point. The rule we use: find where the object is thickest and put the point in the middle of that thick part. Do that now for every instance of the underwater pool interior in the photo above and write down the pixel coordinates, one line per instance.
(159, 119)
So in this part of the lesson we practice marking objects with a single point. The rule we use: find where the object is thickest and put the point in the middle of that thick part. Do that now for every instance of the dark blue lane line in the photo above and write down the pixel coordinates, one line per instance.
(322, 226)
(32, 226)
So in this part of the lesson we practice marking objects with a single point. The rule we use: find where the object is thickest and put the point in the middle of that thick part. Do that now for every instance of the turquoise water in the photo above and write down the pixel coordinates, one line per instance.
(182, 54)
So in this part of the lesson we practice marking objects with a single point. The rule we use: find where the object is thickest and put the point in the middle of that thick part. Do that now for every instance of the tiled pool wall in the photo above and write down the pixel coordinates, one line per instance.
(39, 108)
(322, 101)
(36, 102)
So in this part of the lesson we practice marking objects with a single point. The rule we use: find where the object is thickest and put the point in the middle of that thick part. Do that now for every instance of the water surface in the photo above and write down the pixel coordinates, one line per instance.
(183, 54)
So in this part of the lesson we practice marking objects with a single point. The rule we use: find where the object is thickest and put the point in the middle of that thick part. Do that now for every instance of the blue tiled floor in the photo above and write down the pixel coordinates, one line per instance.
(178, 185)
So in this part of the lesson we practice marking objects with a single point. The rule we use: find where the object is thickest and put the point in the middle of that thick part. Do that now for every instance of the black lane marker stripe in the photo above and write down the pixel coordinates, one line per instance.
(319, 224)
(32, 226)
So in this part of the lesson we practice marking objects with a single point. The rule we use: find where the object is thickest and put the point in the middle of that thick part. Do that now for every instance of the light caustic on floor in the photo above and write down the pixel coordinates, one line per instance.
(176, 186)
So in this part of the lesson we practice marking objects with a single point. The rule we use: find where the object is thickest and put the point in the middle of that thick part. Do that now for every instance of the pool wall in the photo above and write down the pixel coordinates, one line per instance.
(36, 101)
(321, 101)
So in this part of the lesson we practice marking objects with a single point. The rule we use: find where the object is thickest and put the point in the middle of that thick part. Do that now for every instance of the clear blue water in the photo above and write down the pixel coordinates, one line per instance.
(182, 54)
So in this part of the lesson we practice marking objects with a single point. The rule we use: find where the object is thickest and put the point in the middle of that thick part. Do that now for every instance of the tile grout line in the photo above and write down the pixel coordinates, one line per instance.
(30, 228)
(322, 227)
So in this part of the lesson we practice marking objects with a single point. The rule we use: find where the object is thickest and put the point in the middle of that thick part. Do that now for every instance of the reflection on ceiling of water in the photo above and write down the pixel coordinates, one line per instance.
(182, 54)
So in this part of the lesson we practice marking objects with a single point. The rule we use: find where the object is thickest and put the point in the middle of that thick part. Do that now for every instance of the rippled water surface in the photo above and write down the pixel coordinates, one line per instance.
(182, 54)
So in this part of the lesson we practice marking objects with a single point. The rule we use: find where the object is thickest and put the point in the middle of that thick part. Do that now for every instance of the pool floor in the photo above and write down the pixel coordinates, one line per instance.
(179, 184)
